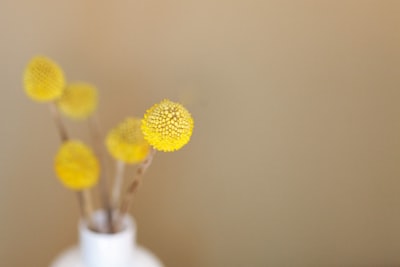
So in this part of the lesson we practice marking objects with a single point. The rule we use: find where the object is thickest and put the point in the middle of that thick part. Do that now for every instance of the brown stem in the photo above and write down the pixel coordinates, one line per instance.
(85, 207)
(64, 138)
(118, 181)
(135, 183)
(57, 120)
(81, 205)
(87, 203)
(94, 128)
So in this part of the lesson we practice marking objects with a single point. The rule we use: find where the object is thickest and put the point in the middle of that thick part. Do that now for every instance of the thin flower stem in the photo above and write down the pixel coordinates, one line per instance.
(95, 132)
(134, 184)
(87, 203)
(64, 138)
(59, 124)
(85, 208)
(81, 200)
(119, 178)
(88, 208)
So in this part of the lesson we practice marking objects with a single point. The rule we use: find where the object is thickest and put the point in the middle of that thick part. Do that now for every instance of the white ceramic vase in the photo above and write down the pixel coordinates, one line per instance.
(107, 250)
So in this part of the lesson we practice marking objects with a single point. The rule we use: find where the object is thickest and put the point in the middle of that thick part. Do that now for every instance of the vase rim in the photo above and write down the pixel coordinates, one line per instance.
(99, 218)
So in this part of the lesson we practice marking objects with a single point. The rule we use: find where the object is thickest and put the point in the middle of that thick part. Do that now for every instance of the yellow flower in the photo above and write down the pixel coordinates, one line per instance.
(78, 101)
(43, 79)
(126, 142)
(76, 166)
(167, 126)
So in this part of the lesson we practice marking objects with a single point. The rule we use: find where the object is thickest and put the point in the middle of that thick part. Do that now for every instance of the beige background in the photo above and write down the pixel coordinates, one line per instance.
(295, 156)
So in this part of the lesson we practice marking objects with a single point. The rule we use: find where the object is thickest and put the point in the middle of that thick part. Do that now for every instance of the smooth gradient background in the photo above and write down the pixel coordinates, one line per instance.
(295, 157)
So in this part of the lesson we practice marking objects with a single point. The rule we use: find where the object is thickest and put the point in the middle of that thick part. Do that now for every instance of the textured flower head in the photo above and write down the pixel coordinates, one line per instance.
(76, 166)
(43, 79)
(126, 142)
(78, 101)
(167, 126)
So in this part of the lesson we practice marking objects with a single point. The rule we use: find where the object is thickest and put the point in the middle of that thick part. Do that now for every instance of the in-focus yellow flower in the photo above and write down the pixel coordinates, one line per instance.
(43, 79)
(76, 166)
(167, 126)
(126, 142)
(78, 101)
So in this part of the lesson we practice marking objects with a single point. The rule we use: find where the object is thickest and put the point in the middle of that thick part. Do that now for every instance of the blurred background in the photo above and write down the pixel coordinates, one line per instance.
(295, 157)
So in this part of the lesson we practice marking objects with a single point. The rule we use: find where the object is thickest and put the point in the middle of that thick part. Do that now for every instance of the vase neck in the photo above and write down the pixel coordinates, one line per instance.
(104, 249)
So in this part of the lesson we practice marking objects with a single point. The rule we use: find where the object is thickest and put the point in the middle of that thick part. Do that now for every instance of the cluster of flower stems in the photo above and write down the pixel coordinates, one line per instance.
(116, 205)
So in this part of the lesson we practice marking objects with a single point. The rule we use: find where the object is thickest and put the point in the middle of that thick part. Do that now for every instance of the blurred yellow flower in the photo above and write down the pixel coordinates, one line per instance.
(76, 166)
(167, 126)
(78, 101)
(43, 79)
(126, 142)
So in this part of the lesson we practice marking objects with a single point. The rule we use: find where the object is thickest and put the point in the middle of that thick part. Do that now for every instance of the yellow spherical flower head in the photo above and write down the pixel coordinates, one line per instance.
(43, 79)
(76, 166)
(78, 101)
(167, 126)
(126, 142)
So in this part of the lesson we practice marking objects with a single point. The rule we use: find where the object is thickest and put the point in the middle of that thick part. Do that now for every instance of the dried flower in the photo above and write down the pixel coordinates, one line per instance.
(43, 79)
(167, 126)
(78, 101)
(126, 142)
(76, 165)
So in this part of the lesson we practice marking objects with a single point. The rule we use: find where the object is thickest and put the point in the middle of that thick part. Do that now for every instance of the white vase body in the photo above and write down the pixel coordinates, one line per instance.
(107, 250)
